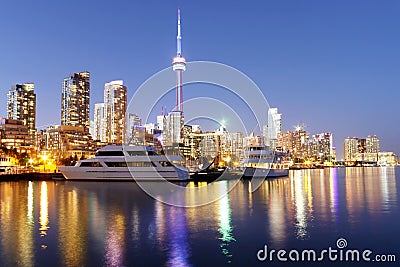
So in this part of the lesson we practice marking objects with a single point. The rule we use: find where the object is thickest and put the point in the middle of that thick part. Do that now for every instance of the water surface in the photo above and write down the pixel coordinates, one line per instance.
(117, 224)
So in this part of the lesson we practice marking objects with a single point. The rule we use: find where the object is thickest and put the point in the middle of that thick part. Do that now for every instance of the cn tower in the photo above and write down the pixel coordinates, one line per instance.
(179, 66)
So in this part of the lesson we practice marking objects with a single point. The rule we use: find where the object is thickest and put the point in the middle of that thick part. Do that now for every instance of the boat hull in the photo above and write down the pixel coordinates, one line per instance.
(123, 174)
(268, 173)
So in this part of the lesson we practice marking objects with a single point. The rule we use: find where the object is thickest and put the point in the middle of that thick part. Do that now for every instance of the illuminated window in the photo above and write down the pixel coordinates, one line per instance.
(90, 164)
(116, 164)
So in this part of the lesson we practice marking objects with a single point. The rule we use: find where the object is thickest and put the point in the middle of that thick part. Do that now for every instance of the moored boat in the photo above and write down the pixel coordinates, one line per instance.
(259, 161)
(127, 163)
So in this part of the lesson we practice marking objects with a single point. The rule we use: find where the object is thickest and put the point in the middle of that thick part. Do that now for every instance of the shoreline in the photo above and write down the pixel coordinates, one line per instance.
(31, 176)
(48, 176)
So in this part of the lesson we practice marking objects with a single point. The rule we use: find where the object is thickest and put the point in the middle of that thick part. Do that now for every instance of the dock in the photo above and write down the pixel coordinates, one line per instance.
(32, 176)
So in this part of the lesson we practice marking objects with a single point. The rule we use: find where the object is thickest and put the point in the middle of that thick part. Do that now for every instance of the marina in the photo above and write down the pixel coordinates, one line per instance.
(144, 163)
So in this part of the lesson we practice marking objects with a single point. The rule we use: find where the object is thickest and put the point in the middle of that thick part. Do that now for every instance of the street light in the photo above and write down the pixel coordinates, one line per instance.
(44, 158)
(29, 163)
(49, 163)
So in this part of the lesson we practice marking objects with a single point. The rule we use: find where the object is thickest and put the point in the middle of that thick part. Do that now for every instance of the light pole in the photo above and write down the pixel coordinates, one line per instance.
(44, 158)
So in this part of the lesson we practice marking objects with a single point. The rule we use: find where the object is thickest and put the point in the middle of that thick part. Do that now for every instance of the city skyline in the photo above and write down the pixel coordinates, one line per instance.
(333, 78)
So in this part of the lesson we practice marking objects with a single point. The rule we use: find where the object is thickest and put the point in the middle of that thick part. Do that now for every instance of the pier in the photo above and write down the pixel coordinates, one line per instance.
(32, 176)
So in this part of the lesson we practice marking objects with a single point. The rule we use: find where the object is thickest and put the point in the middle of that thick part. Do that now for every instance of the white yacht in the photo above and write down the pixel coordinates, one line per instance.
(262, 162)
(127, 163)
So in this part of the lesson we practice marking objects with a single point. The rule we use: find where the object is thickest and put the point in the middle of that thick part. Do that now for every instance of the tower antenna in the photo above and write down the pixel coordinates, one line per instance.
(179, 66)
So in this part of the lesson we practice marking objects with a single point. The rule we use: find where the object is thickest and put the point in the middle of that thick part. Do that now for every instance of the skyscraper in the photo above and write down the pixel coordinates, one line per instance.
(161, 121)
(174, 129)
(75, 106)
(237, 148)
(99, 122)
(286, 141)
(21, 105)
(133, 124)
(361, 149)
(301, 143)
(372, 144)
(273, 129)
(350, 148)
(321, 147)
(114, 110)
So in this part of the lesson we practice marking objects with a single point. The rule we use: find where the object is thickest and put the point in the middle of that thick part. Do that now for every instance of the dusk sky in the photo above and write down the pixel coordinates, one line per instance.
(332, 65)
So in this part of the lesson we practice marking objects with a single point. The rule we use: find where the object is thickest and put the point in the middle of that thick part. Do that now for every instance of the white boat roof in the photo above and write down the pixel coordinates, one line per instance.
(126, 148)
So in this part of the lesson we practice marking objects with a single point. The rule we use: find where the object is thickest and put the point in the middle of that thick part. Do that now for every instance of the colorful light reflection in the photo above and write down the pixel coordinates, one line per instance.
(44, 210)
(225, 222)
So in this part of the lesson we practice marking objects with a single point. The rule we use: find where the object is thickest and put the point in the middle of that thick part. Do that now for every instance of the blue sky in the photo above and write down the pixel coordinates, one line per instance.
(333, 65)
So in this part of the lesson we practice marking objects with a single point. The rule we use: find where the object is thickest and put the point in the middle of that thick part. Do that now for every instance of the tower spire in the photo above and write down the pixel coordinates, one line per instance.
(179, 66)
(179, 37)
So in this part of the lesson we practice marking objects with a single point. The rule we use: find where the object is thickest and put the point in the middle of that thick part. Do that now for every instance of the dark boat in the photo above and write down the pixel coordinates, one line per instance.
(208, 175)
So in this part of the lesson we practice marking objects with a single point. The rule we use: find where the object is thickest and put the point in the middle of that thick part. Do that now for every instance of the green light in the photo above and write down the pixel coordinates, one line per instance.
(223, 122)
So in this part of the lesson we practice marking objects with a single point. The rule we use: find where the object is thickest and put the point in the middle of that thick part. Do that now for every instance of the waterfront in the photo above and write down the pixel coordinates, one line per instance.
(69, 223)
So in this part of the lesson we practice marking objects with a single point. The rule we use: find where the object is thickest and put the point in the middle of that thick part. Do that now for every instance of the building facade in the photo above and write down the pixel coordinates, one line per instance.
(237, 148)
(351, 148)
(301, 145)
(296, 143)
(99, 127)
(361, 149)
(75, 100)
(115, 97)
(361, 145)
(372, 144)
(273, 129)
(173, 130)
(387, 159)
(321, 147)
(63, 142)
(14, 134)
(133, 121)
(21, 105)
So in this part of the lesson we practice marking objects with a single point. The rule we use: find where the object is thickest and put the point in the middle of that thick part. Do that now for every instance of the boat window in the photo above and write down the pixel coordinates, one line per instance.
(90, 164)
(137, 153)
(256, 148)
(166, 164)
(109, 153)
(116, 164)
(142, 153)
(141, 164)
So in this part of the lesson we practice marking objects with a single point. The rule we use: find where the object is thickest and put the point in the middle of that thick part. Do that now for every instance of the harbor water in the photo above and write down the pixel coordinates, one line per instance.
(81, 223)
